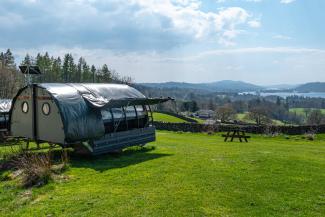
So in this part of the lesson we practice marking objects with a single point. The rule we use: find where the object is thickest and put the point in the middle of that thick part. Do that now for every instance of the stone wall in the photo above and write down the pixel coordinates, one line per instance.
(195, 127)
(179, 116)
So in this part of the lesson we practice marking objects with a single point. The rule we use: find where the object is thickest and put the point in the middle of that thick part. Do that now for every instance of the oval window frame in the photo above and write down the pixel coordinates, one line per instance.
(22, 107)
(49, 109)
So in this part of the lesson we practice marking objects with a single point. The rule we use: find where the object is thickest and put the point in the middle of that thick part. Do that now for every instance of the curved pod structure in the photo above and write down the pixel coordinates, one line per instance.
(93, 118)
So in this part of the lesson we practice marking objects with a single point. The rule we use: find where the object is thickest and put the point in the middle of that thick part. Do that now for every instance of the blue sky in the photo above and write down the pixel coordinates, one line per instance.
(259, 41)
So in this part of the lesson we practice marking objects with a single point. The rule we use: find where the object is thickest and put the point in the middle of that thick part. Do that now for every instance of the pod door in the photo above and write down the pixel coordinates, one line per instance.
(22, 114)
(36, 116)
(49, 125)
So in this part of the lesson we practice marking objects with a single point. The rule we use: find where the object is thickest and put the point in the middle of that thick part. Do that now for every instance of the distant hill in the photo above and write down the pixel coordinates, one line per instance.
(218, 86)
(282, 86)
(311, 87)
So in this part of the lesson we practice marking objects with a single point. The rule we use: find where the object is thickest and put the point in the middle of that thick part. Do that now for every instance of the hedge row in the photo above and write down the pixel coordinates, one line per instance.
(195, 127)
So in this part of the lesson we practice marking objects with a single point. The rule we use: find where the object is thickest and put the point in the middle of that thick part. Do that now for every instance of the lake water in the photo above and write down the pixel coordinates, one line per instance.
(286, 94)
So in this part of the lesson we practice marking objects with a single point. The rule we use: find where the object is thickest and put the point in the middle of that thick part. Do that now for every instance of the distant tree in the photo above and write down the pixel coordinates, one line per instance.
(79, 73)
(44, 63)
(7, 59)
(93, 72)
(195, 106)
(126, 80)
(260, 114)
(211, 105)
(278, 101)
(106, 74)
(307, 112)
(86, 74)
(315, 117)
(11, 80)
(28, 60)
(53, 70)
(69, 68)
(56, 69)
(225, 113)
(65, 67)
(190, 106)
(239, 106)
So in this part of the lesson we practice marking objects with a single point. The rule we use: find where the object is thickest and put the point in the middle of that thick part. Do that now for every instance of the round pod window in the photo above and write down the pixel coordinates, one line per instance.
(24, 107)
(46, 108)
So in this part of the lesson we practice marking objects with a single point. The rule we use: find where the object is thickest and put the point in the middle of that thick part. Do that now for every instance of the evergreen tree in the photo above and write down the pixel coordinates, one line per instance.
(56, 69)
(73, 69)
(79, 73)
(106, 74)
(2, 58)
(28, 60)
(93, 73)
(9, 59)
(86, 74)
(68, 68)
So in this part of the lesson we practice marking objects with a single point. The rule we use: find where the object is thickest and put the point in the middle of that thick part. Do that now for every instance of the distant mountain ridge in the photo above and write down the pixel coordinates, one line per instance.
(311, 87)
(282, 86)
(237, 86)
(218, 86)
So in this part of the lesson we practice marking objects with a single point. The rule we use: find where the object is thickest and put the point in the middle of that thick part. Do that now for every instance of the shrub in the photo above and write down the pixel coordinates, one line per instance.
(35, 168)
(5, 176)
(310, 136)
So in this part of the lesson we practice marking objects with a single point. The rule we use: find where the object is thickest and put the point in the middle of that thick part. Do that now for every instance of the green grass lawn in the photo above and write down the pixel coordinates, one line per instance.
(241, 117)
(200, 121)
(157, 116)
(185, 174)
(167, 118)
(300, 111)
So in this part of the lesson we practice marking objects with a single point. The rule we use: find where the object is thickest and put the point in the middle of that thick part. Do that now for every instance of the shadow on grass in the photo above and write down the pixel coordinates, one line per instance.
(131, 156)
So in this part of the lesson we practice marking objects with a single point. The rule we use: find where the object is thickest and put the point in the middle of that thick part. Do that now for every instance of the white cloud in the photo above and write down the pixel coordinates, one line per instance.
(188, 18)
(222, 1)
(246, 51)
(254, 23)
(119, 24)
(287, 1)
(254, 64)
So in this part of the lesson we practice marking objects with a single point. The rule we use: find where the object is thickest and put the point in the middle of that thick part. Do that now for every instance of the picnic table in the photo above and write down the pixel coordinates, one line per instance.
(236, 133)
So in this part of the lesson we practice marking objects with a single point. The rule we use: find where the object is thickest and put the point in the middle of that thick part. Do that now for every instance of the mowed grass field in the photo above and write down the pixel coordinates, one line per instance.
(185, 174)
(242, 117)
(157, 116)
(167, 118)
(301, 111)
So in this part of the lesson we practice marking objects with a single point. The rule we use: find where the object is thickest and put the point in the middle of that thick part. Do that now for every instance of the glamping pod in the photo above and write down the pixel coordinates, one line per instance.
(5, 105)
(91, 118)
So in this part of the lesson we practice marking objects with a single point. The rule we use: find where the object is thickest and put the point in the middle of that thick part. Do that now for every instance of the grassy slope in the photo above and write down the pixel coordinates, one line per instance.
(200, 121)
(241, 117)
(300, 111)
(167, 118)
(186, 175)
(172, 119)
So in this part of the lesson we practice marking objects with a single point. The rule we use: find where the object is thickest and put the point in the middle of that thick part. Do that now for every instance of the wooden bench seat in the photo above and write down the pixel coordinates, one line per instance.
(236, 136)
(236, 133)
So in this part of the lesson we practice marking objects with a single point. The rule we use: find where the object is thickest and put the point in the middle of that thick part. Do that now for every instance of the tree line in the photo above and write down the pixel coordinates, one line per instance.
(227, 106)
(54, 69)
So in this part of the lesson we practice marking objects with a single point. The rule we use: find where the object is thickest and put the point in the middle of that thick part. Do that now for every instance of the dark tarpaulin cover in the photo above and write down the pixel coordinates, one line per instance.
(5, 105)
(80, 121)
(135, 101)
(80, 105)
